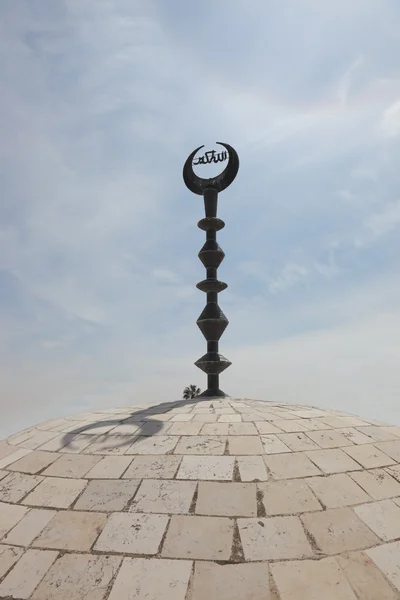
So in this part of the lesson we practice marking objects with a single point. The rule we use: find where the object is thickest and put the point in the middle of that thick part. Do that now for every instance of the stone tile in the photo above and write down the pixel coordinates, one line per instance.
(8, 557)
(10, 515)
(183, 417)
(39, 438)
(290, 426)
(207, 467)
(377, 483)
(310, 413)
(231, 582)
(387, 559)
(107, 495)
(71, 530)
(157, 496)
(215, 429)
(252, 468)
(110, 444)
(369, 456)
(79, 443)
(30, 526)
(78, 577)
(273, 445)
(74, 466)
(208, 538)
(264, 427)
(151, 578)
(365, 578)
(33, 462)
(382, 517)
(153, 467)
(333, 460)
(311, 580)
(12, 455)
(99, 427)
(109, 467)
(160, 444)
(227, 499)
(153, 428)
(329, 439)
(314, 424)
(201, 445)
(56, 492)
(288, 497)
(158, 417)
(245, 444)
(132, 533)
(376, 433)
(394, 471)
(298, 442)
(57, 443)
(185, 428)
(17, 438)
(338, 530)
(391, 449)
(127, 429)
(230, 418)
(348, 421)
(253, 417)
(242, 429)
(27, 574)
(291, 465)
(273, 538)
(337, 490)
(3, 474)
(16, 485)
(354, 435)
(205, 418)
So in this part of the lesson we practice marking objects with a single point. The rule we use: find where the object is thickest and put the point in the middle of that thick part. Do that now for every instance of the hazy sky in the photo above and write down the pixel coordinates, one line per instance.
(101, 101)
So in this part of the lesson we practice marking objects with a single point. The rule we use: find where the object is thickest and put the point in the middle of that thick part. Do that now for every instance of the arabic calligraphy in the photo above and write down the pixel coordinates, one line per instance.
(211, 157)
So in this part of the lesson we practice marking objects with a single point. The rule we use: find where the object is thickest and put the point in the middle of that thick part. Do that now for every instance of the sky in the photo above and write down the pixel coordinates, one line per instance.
(100, 104)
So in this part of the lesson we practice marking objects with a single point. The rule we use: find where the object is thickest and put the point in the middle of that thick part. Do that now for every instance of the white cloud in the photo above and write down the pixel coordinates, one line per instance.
(391, 120)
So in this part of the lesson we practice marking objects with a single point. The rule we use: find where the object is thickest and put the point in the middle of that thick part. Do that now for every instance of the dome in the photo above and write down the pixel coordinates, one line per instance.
(201, 499)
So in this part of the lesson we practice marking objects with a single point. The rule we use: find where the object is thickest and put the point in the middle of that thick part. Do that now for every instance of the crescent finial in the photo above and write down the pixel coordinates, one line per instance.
(197, 184)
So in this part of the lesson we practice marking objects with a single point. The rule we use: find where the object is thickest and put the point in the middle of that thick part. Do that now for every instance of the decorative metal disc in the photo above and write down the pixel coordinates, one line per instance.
(197, 184)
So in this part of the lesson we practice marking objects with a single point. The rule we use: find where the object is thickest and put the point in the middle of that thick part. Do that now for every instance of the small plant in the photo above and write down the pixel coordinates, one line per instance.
(191, 392)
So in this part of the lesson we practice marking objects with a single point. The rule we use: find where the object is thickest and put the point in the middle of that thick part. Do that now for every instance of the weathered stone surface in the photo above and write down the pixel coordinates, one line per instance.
(27, 574)
(231, 582)
(128, 533)
(208, 538)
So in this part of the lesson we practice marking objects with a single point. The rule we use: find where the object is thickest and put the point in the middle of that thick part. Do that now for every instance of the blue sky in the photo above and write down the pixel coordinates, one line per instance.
(101, 102)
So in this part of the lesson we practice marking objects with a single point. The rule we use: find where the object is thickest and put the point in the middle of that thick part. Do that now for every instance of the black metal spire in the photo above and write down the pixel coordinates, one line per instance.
(212, 322)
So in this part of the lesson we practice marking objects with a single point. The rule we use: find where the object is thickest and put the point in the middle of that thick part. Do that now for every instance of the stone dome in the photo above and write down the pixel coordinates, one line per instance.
(201, 499)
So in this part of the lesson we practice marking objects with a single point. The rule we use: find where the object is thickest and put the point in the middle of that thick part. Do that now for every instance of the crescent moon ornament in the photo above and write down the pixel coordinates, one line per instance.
(197, 184)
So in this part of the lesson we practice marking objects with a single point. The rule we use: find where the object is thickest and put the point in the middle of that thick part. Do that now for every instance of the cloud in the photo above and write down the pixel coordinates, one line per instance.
(391, 120)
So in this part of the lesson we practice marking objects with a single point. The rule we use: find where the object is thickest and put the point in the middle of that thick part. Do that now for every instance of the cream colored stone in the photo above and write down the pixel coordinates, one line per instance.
(154, 428)
(333, 460)
(215, 429)
(245, 445)
(160, 496)
(208, 538)
(30, 526)
(339, 530)
(160, 444)
(207, 468)
(365, 578)
(107, 495)
(290, 426)
(10, 515)
(329, 439)
(56, 492)
(16, 486)
(8, 557)
(71, 530)
(242, 429)
(273, 538)
(153, 467)
(78, 577)
(382, 517)
(71, 465)
(58, 442)
(129, 533)
(337, 490)
(3, 474)
(230, 418)
(185, 428)
(39, 438)
(27, 574)
(227, 499)
(377, 434)
(201, 445)
(140, 579)
(394, 471)
(252, 417)
(109, 467)
(355, 435)
(369, 456)
(33, 462)
(298, 442)
(387, 559)
(377, 483)
(252, 468)
(12, 454)
(230, 582)
(344, 421)
(182, 417)
(311, 580)
(391, 449)
(264, 427)
(113, 445)
(273, 445)
(290, 465)
(205, 418)
(288, 497)
(315, 424)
